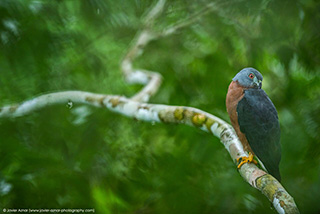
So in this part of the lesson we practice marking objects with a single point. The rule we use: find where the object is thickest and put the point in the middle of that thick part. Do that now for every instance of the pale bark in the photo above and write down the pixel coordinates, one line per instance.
(137, 108)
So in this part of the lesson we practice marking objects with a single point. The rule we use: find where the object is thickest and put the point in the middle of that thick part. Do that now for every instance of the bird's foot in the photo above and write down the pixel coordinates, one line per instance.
(245, 159)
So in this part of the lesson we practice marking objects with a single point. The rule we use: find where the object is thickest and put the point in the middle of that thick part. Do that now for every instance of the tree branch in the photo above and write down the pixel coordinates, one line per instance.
(152, 80)
(135, 108)
(197, 118)
(188, 21)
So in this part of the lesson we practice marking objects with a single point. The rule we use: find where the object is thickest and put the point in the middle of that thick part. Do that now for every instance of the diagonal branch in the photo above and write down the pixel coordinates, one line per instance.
(197, 118)
(151, 79)
(190, 20)
(134, 108)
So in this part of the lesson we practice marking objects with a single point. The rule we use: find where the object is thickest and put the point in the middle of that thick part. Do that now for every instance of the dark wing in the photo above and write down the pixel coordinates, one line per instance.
(258, 120)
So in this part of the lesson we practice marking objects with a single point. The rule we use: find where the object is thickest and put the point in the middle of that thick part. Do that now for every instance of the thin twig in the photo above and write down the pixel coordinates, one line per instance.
(134, 108)
(151, 79)
(190, 20)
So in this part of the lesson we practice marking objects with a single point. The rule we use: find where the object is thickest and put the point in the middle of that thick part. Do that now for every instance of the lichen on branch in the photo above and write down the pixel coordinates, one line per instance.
(138, 108)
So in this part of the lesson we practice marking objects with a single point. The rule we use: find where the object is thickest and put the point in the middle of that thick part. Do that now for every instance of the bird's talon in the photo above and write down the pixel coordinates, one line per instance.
(245, 159)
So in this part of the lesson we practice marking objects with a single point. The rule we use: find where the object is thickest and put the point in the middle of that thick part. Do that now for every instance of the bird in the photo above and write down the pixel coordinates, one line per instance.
(255, 120)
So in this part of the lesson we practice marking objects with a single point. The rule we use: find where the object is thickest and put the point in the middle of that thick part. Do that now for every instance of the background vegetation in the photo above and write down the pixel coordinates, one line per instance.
(86, 157)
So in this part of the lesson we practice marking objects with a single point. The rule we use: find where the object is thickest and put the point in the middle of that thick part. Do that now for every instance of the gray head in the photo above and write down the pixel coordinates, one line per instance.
(249, 78)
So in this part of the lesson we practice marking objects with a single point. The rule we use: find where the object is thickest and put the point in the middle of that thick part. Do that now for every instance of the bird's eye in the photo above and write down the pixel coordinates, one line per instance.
(251, 76)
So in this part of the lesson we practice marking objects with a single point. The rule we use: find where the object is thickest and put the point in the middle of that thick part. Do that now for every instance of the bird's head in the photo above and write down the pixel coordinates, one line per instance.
(249, 78)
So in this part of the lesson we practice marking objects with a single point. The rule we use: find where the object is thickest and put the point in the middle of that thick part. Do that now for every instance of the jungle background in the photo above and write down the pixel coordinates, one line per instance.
(86, 157)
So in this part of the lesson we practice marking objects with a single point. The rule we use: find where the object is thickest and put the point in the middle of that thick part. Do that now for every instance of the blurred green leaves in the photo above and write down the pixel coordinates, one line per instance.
(86, 157)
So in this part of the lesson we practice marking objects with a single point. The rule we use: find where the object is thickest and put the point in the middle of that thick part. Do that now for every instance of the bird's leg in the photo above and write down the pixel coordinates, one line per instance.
(245, 159)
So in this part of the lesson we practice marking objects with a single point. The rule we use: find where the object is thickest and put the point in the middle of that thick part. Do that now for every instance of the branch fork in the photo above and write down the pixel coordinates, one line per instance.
(138, 108)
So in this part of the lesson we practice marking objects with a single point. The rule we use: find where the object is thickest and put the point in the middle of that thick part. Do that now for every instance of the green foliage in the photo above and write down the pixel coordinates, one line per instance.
(86, 157)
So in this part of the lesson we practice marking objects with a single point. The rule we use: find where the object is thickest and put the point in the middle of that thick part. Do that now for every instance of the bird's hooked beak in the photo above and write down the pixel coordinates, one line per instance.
(256, 82)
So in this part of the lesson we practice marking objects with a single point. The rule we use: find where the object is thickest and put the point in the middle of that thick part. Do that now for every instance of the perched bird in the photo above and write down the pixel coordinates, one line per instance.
(255, 120)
